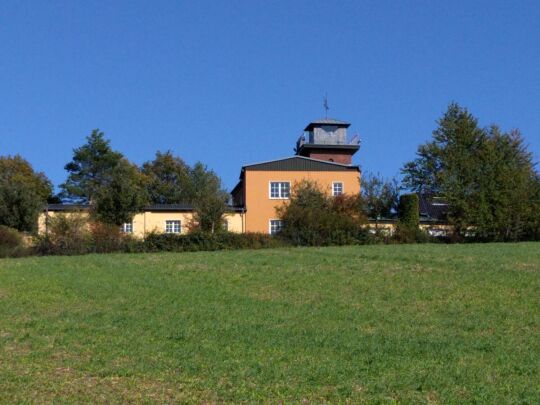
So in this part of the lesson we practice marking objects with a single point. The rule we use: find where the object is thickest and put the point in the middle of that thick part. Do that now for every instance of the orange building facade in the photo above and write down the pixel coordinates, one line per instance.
(323, 155)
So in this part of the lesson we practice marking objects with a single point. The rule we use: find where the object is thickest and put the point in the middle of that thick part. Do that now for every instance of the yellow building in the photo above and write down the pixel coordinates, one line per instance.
(323, 155)
(167, 218)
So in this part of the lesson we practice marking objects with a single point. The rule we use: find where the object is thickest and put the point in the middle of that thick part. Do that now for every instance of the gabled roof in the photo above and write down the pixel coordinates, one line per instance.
(300, 163)
(327, 121)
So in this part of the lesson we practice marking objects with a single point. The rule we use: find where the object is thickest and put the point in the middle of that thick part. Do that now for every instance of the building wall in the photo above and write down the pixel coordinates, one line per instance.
(152, 221)
(337, 157)
(42, 218)
(260, 208)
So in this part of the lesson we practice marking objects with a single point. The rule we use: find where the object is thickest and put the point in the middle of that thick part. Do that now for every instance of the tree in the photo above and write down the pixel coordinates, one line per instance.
(408, 211)
(169, 180)
(23, 193)
(91, 166)
(408, 225)
(208, 197)
(380, 196)
(486, 176)
(312, 217)
(120, 196)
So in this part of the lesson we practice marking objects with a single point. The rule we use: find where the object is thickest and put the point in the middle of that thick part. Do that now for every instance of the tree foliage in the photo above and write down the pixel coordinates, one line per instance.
(487, 177)
(209, 198)
(172, 181)
(120, 196)
(408, 210)
(312, 217)
(91, 167)
(379, 196)
(168, 179)
(23, 193)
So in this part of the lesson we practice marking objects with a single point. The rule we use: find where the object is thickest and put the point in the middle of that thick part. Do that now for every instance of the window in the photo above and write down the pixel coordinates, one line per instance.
(280, 189)
(226, 225)
(127, 227)
(337, 188)
(172, 226)
(275, 226)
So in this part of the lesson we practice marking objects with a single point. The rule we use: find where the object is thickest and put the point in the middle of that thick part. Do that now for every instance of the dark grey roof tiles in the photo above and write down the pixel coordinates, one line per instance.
(301, 163)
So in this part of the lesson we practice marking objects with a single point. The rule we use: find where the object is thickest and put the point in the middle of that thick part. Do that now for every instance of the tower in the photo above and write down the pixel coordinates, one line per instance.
(326, 139)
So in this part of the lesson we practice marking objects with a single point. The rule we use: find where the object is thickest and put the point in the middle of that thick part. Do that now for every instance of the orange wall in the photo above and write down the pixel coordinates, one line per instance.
(260, 208)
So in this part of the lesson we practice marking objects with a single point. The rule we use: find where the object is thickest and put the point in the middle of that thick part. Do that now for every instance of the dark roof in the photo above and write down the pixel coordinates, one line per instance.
(327, 121)
(432, 208)
(301, 163)
(66, 207)
(168, 207)
(152, 207)
(238, 185)
(309, 146)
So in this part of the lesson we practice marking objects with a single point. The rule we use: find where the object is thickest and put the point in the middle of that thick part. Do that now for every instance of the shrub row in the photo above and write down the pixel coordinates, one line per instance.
(154, 242)
(73, 235)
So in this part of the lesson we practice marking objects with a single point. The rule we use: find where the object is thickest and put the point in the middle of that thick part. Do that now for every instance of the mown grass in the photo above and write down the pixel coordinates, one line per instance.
(383, 324)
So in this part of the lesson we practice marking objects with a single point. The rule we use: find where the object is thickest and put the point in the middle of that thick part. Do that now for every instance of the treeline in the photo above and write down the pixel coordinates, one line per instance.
(487, 177)
(114, 188)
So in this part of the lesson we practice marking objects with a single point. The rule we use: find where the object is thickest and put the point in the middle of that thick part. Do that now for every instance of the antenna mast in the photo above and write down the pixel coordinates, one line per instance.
(325, 105)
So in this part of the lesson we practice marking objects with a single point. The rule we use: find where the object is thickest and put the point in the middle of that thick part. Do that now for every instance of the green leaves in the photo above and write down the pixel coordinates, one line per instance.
(91, 167)
(23, 193)
(487, 177)
(121, 196)
(379, 196)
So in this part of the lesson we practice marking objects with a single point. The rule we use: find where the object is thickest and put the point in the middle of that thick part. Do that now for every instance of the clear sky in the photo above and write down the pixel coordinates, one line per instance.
(235, 82)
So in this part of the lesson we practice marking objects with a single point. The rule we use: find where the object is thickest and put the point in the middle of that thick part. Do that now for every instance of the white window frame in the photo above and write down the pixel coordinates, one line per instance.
(173, 227)
(280, 189)
(127, 227)
(334, 183)
(270, 225)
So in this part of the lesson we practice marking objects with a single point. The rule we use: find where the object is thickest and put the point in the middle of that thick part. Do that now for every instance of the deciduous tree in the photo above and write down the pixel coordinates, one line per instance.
(169, 180)
(379, 195)
(120, 195)
(209, 198)
(23, 193)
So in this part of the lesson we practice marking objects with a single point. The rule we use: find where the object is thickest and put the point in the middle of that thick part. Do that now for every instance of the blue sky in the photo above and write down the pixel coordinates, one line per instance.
(234, 82)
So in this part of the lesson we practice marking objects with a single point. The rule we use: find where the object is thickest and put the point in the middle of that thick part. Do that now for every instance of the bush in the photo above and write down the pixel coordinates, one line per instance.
(11, 243)
(407, 228)
(407, 234)
(67, 234)
(107, 238)
(313, 218)
(201, 241)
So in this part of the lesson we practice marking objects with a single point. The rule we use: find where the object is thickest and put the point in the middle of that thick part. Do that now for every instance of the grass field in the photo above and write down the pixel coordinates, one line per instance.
(403, 324)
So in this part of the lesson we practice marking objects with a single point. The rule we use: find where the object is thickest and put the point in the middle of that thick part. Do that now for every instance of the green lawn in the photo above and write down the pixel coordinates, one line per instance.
(404, 324)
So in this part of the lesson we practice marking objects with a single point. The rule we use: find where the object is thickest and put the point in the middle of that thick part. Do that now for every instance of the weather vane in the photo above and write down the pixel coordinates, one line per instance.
(325, 105)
